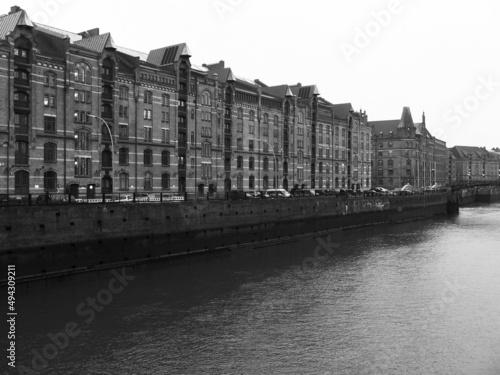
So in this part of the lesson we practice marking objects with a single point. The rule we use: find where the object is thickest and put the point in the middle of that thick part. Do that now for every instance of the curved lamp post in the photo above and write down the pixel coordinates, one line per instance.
(112, 154)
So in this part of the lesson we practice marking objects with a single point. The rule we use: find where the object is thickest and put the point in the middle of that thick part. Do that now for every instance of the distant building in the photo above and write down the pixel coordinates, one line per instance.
(404, 152)
(473, 164)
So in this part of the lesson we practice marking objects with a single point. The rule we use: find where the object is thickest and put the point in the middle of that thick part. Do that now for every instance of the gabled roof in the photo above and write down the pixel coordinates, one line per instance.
(342, 111)
(305, 92)
(9, 22)
(97, 43)
(142, 55)
(384, 126)
(73, 37)
(462, 152)
(280, 91)
(168, 55)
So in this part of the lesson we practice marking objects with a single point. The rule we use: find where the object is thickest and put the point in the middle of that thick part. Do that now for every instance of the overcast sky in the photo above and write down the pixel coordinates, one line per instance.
(441, 57)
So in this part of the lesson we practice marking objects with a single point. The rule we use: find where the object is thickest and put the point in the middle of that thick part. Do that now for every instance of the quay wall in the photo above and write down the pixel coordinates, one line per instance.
(45, 239)
(488, 195)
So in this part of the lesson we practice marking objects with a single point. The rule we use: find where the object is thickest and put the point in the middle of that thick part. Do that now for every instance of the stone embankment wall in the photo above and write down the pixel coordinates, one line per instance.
(43, 239)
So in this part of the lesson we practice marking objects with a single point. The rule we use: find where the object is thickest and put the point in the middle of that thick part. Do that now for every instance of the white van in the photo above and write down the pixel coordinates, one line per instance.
(278, 193)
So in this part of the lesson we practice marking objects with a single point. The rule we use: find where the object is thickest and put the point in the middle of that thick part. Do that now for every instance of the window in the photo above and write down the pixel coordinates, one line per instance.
(165, 135)
(148, 181)
(49, 80)
(123, 93)
(266, 118)
(50, 181)
(165, 116)
(206, 150)
(300, 174)
(251, 116)
(240, 113)
(49, 124)
(124, 181)
(148, 97)
(266, 147)
(50, 152)
(123, 131)
(251, 182)
(165, 100)
(147, 114)
(300, 118)
(165, 181)
(165, 158)
(83, 166)
(300, 157)
(239, 182)
(206, 170)
(239, 162)
(265, 164)
(123, 156)
(250, 144)
(148, 157)
(148, 134)
(82, 140)
(320, 167)
(123, 111)
(251, 163)
(239, 144)
(389, 144)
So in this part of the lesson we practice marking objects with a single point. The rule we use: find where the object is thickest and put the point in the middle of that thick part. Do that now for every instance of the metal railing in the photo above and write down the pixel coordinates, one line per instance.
(62, 198)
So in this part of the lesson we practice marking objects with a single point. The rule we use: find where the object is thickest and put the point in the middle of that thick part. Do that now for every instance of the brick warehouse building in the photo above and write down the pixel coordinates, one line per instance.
(175, 126)
(406, 152)
(473, 164)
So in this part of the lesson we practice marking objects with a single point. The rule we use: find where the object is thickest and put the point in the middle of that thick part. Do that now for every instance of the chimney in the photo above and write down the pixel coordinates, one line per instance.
(15, 9)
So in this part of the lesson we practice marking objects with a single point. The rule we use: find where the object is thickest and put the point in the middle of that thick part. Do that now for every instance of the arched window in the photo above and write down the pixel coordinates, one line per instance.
(148, 97)
(148, 181)
(251, 182)
(22, 50)
(50, 181)
(108, 69)
(124, 181)
(380, 145)
(265, 183)
(336, 182)
(390, 163)
(266, 118)
(251, 116)
(300, 118)
(389, 145)
(165, 181)
(239, 162)
(336, 167)
(320, 167)
(266, 164)
(82, 73)
(285, 167)
(276, 120)
(239, 182)
(148, 157)
(251, 163)
(165, 158)
(380, 163)
(320, 181)
(343, 182)
(50, 152)
(328, 182)
(106, 159)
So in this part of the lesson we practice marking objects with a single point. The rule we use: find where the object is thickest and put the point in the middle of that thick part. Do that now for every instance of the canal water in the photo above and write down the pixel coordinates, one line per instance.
(413, 298)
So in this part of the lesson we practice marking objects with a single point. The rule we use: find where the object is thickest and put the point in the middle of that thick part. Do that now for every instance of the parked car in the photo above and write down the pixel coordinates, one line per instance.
(278, 193)
(252, 194)
(262, 194)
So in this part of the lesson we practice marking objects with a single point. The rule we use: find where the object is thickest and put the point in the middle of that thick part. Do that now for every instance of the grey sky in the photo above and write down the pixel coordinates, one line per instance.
(441, 57)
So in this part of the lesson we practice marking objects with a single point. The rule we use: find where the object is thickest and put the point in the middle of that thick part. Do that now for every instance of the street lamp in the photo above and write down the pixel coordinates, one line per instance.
(276, 163)
(112, 153)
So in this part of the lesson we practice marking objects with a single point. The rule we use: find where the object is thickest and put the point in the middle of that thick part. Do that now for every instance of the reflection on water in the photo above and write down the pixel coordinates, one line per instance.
(415, 298)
